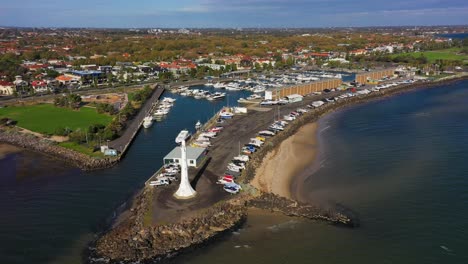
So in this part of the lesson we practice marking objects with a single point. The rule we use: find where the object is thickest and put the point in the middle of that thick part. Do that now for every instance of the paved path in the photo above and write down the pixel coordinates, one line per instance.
(122, 143)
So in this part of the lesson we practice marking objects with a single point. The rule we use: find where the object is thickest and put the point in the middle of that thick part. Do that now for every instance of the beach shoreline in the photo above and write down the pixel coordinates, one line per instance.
(293, 155)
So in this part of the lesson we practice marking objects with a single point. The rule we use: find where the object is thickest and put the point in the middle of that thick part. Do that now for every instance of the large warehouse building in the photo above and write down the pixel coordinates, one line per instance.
(302, 89)
(366, 77)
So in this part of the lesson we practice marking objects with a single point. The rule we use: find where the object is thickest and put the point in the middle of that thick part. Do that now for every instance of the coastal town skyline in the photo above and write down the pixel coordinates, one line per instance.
(227, 14)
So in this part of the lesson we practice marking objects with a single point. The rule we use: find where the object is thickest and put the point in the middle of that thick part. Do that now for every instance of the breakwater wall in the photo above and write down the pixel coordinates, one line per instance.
(275, 203)
(50, 148)
(133, 240)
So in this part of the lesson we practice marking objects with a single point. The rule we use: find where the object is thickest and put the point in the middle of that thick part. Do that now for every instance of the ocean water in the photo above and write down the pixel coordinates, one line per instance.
(399, 164)
(454, 35)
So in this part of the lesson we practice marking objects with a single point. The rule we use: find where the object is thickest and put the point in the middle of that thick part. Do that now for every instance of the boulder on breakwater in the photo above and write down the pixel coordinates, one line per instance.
(273, 202)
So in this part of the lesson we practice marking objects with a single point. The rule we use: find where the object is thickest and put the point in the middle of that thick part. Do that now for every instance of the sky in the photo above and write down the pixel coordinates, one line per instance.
(231, 13)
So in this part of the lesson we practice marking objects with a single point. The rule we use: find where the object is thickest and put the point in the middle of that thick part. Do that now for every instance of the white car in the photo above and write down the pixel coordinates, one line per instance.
(160, 182)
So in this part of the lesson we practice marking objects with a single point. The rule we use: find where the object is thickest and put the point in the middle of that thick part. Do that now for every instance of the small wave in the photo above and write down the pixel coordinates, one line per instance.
(288, 225)
(325, 128)
(422, 114)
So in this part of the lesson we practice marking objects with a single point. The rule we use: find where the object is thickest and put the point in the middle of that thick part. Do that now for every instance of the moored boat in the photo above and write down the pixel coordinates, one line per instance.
(183, 135)
(147, 121)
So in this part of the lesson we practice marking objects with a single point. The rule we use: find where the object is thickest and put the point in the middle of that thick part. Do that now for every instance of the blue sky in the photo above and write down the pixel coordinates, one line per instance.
(231, 13)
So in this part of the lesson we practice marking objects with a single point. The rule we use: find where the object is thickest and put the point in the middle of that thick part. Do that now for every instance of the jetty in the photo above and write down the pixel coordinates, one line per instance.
(122, 143)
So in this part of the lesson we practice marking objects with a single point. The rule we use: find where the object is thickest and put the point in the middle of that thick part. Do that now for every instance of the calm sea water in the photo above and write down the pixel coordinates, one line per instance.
(399, 163)
(455, 35)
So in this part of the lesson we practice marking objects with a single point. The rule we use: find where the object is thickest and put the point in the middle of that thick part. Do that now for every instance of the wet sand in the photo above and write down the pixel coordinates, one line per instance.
(6, 149)
(293, 156)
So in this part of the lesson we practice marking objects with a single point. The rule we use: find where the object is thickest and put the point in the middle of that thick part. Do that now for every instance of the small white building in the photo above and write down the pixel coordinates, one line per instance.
(194, 156)
(6, 88)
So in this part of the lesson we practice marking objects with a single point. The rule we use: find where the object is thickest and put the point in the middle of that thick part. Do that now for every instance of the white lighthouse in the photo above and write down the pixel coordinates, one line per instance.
(185, 190)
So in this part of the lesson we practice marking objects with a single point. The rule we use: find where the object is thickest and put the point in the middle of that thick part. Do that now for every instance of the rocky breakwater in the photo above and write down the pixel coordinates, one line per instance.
(50, 148)
(134, 240)
(275, 203)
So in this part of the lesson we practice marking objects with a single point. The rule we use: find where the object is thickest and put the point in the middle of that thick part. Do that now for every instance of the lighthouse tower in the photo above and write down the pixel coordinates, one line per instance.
(185, 190)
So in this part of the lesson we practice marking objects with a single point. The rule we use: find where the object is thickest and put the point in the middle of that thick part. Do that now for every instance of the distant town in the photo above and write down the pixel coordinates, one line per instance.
(37, 61)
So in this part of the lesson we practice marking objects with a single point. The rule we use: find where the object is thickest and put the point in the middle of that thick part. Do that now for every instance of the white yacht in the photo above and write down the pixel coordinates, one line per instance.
(216, 96)
(233, 87)
(218, 85)
(147, 121)
(183, 135)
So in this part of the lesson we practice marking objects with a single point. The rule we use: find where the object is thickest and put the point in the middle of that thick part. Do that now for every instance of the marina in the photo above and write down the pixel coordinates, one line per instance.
(146, 147)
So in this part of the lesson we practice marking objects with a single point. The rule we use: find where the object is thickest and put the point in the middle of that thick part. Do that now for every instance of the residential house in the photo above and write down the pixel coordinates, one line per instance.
(40, 86)
(6, 88)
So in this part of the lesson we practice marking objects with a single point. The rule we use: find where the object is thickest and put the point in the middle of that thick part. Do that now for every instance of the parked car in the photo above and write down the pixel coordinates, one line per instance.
(160, 182)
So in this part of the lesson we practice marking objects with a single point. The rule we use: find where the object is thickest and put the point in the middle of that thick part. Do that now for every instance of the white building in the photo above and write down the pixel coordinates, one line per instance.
(194, 156)
(6, 88)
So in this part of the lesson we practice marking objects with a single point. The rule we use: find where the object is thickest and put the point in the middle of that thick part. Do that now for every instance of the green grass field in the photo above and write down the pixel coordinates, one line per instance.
(46, 118)
(445, 54)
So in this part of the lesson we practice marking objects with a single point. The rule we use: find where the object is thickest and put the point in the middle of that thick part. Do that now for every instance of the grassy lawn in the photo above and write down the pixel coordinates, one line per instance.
(131, 95)
(46, 118)
(445, 54)
(81, 148)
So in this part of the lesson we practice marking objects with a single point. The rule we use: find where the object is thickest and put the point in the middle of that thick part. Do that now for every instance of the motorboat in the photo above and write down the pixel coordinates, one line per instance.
(147, 121)
(233, 87)
(216, 129)
(198, 125)
(208, 134)
(160, 113)
(218, 85)
(202, 144)
(242, 158)
(217, 96)
(238, 165)
(266, 133)
(183, 135)
(168, 100)
(226, 115)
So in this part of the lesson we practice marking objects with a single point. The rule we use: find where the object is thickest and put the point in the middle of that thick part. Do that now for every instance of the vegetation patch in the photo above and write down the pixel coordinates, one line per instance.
(82, 149)
(47, 118)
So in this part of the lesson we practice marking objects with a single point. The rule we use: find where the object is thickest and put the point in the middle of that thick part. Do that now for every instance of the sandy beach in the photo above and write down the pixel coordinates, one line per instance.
(6, 149)
(292, 156)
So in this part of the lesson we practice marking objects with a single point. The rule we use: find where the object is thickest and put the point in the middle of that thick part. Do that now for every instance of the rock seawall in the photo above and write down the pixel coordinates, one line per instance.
(48, 147)
(272, 202)
(133, 241)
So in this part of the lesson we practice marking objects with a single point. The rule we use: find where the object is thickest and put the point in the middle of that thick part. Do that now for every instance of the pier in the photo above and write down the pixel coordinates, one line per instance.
(123, 142)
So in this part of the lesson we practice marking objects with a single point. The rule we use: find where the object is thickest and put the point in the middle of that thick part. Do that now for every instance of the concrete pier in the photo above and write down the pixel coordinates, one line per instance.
(122, 143)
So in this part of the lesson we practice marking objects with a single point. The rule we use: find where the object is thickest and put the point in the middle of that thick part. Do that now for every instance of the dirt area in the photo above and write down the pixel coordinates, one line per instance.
(53, 138)
(110, 98)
